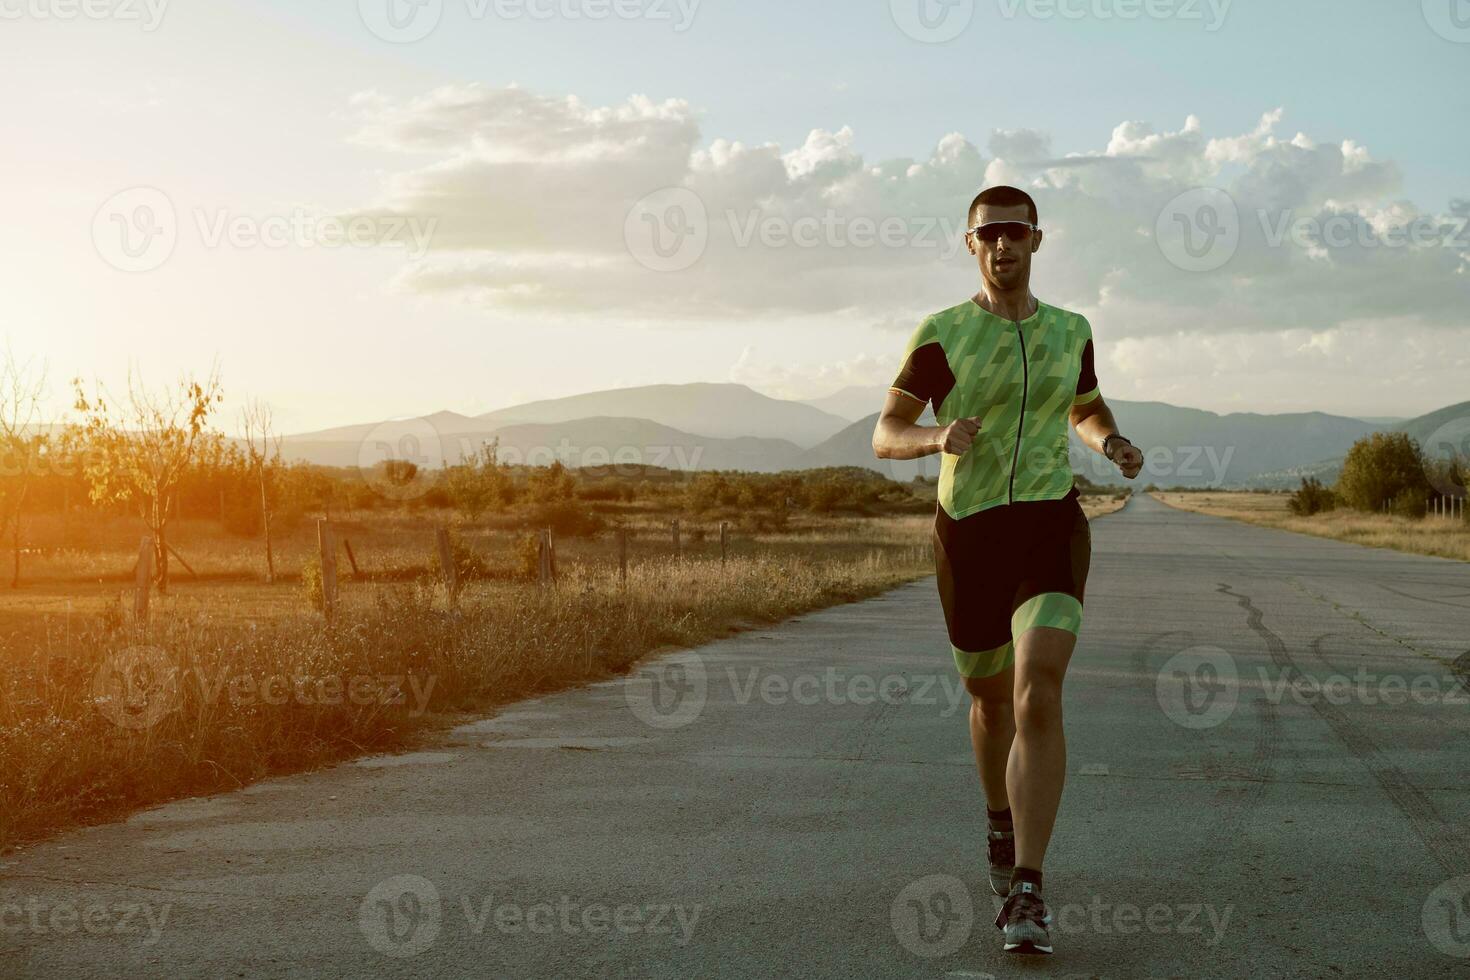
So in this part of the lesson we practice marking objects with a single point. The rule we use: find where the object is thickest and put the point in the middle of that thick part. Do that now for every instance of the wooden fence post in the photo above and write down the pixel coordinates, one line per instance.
(547, 557)
(329, 569)
(143, 580)
(446, 564)
(351, 558)
(674, 529)
(724, 537)
(623, 555)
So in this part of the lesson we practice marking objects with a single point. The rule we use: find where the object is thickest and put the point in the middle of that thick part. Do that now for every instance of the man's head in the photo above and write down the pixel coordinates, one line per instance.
(1004, 248)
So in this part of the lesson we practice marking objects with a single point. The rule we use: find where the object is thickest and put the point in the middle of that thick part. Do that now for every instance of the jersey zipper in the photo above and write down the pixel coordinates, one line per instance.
(1021, 420)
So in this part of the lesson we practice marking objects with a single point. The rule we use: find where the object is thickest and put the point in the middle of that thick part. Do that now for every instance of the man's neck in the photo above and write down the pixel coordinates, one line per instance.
(1010, 304)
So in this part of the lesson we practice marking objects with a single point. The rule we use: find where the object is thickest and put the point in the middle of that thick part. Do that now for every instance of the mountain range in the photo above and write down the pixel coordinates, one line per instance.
(733, 427)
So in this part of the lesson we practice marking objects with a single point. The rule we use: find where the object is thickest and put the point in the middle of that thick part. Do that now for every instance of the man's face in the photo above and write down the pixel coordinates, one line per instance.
(1005, 264)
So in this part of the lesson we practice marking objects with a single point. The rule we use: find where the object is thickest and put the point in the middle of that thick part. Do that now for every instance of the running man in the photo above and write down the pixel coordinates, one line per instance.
(1006, 374)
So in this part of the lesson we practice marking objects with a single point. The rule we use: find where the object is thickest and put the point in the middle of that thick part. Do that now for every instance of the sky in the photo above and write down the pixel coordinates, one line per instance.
(362, 209)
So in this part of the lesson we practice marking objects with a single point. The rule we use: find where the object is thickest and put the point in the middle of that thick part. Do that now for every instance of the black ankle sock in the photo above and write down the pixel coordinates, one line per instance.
(999, 819)
(1026, 874)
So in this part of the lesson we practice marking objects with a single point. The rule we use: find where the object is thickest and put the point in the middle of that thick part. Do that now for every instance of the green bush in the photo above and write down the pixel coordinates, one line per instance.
(1312, 498)
(1385, 466)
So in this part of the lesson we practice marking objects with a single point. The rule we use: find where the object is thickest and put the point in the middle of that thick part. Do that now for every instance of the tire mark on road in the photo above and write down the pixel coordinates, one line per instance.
(1444, 843)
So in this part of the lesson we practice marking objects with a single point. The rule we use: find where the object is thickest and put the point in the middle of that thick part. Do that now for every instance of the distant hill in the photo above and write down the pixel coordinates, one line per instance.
(745, 430)
(852, 403)
(724, 411)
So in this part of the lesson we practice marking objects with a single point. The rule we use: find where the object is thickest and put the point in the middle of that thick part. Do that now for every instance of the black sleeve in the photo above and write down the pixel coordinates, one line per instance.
(925, 375)
(1087, 388)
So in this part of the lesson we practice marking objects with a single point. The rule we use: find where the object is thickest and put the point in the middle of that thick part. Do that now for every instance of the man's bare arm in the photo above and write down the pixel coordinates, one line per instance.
(1094, 422)
(897, 436)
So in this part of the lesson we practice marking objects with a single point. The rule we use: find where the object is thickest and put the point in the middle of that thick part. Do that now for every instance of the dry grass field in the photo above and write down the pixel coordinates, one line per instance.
(1442, 538)
(232, 680)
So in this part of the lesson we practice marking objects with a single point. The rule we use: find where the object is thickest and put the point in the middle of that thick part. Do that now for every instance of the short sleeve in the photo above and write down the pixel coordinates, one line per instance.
(924, 375)
(1087, 386)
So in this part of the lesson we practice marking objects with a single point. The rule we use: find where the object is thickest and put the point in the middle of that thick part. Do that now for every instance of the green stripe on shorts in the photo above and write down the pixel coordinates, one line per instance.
(1054, 609)
(986, 663)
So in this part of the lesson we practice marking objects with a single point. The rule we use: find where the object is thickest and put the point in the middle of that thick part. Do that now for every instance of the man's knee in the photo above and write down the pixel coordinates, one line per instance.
(1039, 707)
(991, 697)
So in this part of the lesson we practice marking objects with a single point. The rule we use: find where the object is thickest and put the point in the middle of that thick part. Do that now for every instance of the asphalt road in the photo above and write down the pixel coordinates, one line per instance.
(801, 801)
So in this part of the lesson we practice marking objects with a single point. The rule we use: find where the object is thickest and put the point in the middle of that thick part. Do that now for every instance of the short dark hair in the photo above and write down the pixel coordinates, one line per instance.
(1003, 196)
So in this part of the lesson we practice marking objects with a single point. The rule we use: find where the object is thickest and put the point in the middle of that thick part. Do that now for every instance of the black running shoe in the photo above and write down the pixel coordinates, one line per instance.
(1000, 846)
(1024, 920)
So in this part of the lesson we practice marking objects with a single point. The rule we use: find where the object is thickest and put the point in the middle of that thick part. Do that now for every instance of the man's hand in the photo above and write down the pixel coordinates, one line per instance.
(959, 435)
(1127, 457)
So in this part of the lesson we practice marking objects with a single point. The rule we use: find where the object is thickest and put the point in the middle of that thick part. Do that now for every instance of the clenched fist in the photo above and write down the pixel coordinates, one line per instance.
(959, 435)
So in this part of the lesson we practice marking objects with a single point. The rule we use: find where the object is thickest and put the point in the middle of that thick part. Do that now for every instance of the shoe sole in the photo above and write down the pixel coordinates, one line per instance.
(1028, 948)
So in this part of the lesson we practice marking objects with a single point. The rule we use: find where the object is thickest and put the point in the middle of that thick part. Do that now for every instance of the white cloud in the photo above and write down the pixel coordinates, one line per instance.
(532, 193)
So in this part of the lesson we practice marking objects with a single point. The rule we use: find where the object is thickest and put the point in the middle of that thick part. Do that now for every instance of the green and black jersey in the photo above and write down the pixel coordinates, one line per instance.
(1021, 380)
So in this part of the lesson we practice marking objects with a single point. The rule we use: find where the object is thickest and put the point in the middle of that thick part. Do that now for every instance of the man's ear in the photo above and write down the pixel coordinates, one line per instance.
(1036, 241)
(970, 241)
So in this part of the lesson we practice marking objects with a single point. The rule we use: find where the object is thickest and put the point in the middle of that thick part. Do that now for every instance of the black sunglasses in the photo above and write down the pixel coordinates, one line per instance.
(1016, 231)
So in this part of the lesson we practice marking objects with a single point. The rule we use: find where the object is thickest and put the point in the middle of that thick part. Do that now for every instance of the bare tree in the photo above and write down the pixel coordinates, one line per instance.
(263, 456)
(138, 449)
(22, 445)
